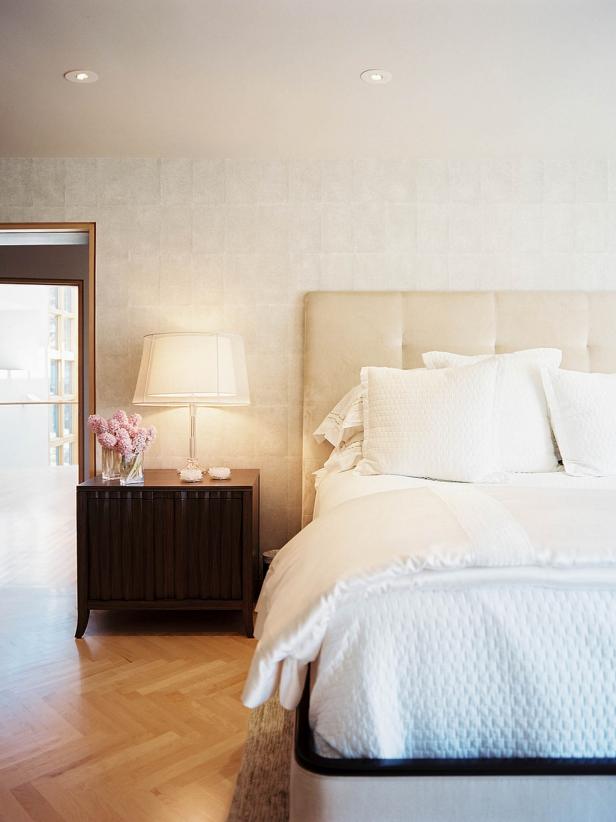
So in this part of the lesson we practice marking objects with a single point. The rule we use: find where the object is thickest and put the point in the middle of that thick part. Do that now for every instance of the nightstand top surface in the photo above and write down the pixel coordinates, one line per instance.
(169, 478)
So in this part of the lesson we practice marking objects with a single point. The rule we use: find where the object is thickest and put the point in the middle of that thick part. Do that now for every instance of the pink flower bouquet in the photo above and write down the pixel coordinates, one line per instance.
(122, 433)
(124, 442)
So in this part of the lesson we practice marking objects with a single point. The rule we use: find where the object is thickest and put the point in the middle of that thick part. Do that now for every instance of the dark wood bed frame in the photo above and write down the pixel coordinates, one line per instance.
(308, 759)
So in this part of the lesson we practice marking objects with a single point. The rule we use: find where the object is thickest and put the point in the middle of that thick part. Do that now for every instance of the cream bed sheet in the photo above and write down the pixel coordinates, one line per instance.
(338, 487)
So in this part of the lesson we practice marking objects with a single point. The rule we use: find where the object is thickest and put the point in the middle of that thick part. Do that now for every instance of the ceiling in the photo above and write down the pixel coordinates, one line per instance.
(281, 77)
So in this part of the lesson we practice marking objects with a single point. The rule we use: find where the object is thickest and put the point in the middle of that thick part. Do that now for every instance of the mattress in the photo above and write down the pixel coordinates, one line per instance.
(494, 665)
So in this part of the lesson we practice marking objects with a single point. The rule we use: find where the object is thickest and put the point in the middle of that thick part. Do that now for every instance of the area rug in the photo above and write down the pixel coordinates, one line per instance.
(262, 788)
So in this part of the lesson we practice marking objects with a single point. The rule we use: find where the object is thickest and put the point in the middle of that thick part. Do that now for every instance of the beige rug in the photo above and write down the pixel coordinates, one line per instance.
(262, 789)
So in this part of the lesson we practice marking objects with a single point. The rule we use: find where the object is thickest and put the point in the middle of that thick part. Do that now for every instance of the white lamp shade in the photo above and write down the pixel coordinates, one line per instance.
(192, 368)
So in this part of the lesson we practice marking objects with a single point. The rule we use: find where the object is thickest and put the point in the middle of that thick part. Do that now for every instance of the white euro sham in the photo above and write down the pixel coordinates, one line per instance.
(524, 431)
(583, 411)
(344, 421)
(343, 457)
(438, 424)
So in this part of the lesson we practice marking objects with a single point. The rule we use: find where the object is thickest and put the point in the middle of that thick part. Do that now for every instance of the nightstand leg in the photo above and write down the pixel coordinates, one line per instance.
(82, 622)
(248, 624)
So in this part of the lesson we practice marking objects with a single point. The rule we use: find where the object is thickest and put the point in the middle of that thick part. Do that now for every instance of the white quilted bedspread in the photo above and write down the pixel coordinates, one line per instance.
(481, 672)
(449, 622)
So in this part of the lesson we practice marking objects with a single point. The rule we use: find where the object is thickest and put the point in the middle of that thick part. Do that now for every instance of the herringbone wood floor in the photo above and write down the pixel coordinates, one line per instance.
(140, 721)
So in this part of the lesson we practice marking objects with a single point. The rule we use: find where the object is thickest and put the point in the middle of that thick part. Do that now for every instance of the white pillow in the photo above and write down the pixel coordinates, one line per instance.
(344, 421)
(437, 424)
(525, 434)
(342, 458)
(583, 411)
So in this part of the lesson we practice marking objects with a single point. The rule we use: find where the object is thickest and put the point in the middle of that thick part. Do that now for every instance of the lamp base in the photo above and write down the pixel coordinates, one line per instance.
(192, 471)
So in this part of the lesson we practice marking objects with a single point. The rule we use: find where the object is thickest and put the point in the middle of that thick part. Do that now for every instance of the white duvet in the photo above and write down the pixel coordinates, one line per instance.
(449, 620)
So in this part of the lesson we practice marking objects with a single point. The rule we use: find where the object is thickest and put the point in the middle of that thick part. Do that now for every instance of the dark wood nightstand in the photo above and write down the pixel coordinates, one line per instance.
(168, 544)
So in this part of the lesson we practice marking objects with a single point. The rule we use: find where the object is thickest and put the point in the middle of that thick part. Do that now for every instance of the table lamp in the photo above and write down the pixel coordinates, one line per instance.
(191, 369)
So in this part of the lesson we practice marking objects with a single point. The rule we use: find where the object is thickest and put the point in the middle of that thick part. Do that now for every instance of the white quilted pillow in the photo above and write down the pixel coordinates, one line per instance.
(436, 424)
(525, 434)
(583, 411)
(345, 420)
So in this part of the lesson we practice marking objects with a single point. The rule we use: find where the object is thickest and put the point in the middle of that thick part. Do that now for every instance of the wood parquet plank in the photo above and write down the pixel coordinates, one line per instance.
(141, 721)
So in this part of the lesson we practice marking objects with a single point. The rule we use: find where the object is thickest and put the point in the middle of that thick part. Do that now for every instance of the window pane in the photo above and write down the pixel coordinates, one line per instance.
(54, 296)
(68, 419)
(53, 331)
(54, 456)
(53, 377)
(67, 453)
(68, 334)
(68, 377)
(54, 421)
(68, 298)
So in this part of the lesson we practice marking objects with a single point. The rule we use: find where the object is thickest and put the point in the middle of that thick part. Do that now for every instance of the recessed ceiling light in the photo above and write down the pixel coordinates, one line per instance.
(81, 76)
(376, 77)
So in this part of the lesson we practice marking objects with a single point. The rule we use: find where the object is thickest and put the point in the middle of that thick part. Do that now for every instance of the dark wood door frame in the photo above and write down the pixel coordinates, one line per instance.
(86, 340)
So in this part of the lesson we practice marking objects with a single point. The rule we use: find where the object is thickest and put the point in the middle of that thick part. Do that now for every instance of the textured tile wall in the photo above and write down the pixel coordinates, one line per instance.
(203, 244)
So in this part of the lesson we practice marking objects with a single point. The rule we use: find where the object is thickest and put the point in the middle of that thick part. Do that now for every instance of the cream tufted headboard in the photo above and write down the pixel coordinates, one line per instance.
(346, 330)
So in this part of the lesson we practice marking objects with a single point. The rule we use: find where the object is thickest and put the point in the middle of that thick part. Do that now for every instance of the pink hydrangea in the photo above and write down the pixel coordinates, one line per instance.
(97, 424)
(107, 440)
(114, 425)
(124, 442)
(121, 417)
(139, 442)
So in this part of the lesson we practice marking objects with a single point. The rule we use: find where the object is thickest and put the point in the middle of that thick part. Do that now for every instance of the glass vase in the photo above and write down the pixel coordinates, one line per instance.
(110, 464)
(131, 470)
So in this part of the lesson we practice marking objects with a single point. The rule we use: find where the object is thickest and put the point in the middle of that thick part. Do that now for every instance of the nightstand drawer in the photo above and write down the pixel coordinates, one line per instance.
(208, 544)
(177, 545)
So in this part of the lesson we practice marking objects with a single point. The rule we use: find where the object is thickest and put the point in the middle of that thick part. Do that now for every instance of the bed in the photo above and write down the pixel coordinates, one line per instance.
(487, 690)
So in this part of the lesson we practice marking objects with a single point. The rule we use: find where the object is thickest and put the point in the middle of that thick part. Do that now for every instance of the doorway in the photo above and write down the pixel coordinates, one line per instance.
(46, 394)
(61, 257)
